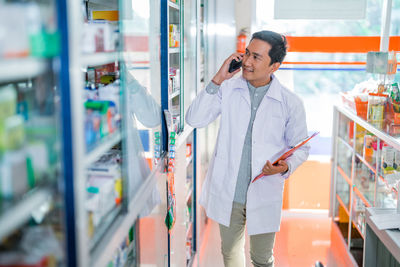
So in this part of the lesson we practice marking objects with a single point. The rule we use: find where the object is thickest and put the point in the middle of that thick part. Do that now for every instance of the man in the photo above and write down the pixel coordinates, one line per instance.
(260, 119)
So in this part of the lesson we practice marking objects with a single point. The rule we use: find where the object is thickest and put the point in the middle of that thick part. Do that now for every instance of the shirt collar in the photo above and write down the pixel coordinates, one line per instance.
(274, 90)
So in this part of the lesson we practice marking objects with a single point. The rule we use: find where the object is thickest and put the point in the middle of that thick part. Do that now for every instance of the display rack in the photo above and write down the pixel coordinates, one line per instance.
(31, 199)
(359, 178)
(98, 95)
(172, 70)
(11, 70)
(190, 199)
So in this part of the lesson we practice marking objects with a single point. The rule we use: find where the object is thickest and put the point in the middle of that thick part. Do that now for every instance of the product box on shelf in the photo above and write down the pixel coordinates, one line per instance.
(104, 187)
(99, 36)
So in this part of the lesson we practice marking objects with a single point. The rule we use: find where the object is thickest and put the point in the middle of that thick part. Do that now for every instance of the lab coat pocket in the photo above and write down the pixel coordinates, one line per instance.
(273, 130)
(269, 188)
(219, 173)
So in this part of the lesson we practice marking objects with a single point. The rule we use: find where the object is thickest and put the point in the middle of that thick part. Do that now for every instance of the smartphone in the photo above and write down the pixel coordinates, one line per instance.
(234, 65)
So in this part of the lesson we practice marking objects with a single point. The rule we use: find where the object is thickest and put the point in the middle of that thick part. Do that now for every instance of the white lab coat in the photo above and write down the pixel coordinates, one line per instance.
(280, 123)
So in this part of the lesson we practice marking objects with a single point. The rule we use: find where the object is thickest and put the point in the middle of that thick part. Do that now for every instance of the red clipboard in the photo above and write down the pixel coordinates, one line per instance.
(288, 153)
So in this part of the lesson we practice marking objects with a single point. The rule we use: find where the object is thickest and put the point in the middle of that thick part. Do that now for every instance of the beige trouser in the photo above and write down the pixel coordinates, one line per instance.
(261, 246)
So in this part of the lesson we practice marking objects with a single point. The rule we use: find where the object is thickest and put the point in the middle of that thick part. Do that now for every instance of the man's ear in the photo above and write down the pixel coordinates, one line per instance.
(275, 66)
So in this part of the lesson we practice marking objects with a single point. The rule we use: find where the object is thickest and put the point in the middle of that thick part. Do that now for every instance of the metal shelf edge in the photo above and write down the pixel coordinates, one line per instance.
(15, 217)
(188, 160)
(173, 5)
(189, 194)
(176, 93)
(103, 147)
(189, 228)
(173, 50)
(366, 163)
(98, 59)
(20, 69)
(361, 196)
(342, 204)
(341, 171)
(184, 135)
(358, 229)
(345, 143)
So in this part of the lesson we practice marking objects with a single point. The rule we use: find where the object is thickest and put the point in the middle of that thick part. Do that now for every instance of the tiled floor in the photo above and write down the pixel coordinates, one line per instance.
(304, 239)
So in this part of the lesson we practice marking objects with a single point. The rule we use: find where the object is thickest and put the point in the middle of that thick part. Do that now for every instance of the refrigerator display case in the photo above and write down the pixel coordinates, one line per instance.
(365, 174)
(172, 64)
(32, 207)
(112, 67)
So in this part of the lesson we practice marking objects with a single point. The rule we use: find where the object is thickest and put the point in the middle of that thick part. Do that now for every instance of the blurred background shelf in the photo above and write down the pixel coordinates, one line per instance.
(105, 144)
(14, 215)
(21, 69)
(173, 5)
(99, 59)
(173, 50)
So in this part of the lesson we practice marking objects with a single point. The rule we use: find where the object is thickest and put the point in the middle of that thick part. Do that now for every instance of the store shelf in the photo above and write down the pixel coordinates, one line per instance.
(391, 141)
(106, 3)
(106, 144)
(181, 138)
(173, 5)
(17, 215)
(358, 229)
(188, 160)
(342, 204)
(387, 184)
(344, 142)
(118, 230)
(189, 229)
(99, 59)
(188, 196)
(366, 163)
(361, 196)
(344, 175)
(174, 94)
(104, 225)
(173, 50)
(21, 69)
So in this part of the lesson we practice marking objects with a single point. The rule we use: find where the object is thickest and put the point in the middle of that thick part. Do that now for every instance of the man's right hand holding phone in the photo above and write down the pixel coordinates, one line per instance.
(223, 73)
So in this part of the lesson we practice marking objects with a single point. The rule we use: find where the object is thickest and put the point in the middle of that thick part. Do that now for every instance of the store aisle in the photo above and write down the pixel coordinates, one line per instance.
(304, 238)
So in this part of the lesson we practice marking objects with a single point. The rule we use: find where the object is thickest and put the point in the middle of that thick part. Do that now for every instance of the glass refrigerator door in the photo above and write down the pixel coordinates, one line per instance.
(140, 26)
(140, 74)
(32, 229)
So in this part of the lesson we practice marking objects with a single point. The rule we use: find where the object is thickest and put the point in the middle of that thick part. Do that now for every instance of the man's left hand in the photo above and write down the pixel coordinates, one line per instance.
(270, 169)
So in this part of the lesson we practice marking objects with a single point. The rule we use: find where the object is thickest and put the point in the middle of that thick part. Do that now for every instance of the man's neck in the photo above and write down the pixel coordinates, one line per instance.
(257, 84)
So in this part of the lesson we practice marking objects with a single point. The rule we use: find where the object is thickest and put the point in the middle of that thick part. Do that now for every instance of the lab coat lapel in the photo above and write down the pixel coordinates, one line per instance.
(244, 89)
(274, 90)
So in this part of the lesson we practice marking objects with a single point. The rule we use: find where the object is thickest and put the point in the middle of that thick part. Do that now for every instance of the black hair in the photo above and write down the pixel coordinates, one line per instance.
(278, 44)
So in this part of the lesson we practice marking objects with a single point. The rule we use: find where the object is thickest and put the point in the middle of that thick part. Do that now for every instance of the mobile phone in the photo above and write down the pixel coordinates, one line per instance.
(234, 65)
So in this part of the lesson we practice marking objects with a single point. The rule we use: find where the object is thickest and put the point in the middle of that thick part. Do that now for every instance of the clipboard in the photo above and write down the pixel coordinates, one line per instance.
(288, 153)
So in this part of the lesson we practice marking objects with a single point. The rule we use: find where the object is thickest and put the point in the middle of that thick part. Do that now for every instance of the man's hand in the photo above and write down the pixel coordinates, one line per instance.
(223, 73)
(270, 169)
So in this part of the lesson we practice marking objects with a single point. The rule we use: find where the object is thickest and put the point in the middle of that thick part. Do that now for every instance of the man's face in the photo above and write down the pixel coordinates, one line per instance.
(256, 63)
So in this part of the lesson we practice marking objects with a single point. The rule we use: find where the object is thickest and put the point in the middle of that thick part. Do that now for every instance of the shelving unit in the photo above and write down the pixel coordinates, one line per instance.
(358, 178)
(105, 145)
(99, 59)
(32, 202)
(17, 214)
(190, 199)
(172, 69)
(11, 70)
